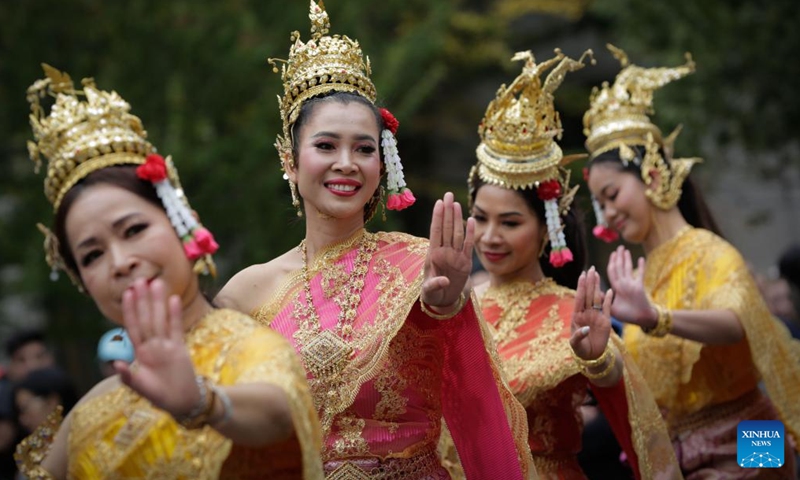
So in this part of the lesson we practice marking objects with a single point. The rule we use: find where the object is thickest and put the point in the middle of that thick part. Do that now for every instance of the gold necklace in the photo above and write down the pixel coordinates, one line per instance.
(327, 351)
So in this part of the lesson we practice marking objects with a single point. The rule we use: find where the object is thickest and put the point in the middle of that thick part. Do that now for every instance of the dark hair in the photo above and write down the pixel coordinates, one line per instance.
(789, 265)
(566, 275)
(123, 176)
(306, 110)
(692, 205)
(49, 381)
(23, 337)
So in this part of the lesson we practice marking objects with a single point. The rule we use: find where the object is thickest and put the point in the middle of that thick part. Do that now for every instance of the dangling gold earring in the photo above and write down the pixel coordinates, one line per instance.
(381, 201)
(544, 245)
(295, 198)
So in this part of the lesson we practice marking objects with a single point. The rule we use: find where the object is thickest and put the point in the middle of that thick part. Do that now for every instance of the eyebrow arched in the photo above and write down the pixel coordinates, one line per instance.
(503, 215)
(360, 137)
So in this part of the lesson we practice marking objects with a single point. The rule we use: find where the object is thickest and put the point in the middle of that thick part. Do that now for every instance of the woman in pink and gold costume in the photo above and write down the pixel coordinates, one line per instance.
(696, 324)
(390, 342)
(554, 342)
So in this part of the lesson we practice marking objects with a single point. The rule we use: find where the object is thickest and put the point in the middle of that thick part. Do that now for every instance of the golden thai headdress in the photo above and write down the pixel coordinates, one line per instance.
(619, 118)
(90, 129)
(518, 146)
(332, 63)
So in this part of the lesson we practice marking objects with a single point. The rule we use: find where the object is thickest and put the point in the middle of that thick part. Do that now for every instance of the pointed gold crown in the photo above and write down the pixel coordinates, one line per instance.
(619, 114)
(519, 130)
(85, 131)
(324, 63)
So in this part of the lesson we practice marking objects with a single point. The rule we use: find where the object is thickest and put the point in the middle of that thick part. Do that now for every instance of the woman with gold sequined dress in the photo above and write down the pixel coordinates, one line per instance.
(554, 342)
(696, 324)
(390, 342)
(211, 393)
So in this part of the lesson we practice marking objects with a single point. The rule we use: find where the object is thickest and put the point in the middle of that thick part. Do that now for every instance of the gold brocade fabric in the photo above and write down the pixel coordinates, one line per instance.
(697, 270)
(121, 435)
(531, 326)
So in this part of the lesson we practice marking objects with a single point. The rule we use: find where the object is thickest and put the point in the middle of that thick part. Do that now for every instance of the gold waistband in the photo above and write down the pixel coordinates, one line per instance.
(714, 413)
(548, 465)
(424, 465)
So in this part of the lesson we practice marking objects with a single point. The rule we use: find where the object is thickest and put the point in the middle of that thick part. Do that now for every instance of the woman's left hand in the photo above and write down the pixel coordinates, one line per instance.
(591, 324)
(449, 260)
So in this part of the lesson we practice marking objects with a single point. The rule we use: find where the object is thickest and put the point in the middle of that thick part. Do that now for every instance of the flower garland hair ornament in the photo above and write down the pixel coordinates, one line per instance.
(197, 240)
(549, 192)
(400, 196)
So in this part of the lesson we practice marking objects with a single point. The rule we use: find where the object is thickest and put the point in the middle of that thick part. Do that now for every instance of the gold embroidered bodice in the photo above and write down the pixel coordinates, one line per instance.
(698, 270)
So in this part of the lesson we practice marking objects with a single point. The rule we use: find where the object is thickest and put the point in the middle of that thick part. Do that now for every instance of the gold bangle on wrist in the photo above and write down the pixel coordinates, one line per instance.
(462, 300)
(605, 372)
(585, 364)
(663, 324)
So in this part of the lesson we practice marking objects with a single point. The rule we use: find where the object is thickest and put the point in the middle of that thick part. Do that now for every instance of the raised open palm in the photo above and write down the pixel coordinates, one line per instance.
(631, 304)
(590, 326)
(163, 371)
(449, 260)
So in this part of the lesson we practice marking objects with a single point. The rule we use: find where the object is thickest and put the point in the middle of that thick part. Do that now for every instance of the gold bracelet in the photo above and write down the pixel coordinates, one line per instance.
(663, 325)
(584, 364)
(604, 373)
(462, 300)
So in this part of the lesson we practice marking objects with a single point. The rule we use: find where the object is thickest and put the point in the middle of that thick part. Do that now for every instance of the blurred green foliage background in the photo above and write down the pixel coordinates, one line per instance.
(195, 72)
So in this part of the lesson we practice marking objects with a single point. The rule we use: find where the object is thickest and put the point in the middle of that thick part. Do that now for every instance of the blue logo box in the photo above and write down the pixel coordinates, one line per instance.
(760, 444)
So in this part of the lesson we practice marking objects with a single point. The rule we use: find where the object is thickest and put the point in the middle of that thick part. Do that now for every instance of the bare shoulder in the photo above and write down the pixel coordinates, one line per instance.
(255, 285)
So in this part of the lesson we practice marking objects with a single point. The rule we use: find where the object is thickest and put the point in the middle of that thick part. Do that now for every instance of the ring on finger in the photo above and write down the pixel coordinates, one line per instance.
(599, 308)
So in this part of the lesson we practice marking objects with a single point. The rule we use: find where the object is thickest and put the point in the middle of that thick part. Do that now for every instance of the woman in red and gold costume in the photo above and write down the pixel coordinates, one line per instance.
(390, 342)
(696, 324)
(211, 393)
(554, 342)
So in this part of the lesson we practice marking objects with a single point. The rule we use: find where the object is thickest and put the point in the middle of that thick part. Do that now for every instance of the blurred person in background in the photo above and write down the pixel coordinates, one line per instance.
(38, 394)
(27, 350)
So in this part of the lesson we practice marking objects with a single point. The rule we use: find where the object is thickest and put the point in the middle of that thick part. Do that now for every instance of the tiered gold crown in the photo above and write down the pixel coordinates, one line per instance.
(324, 63)
(86, 130)
(619, 114)
(521, 125)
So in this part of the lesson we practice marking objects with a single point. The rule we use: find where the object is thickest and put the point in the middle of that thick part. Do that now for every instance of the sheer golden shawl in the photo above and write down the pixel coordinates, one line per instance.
(119, 434)
(698, 270)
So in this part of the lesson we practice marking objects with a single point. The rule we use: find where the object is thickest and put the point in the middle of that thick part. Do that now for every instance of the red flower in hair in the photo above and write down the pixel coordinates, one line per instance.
(549, 190)
(392, 124)
(153, 170)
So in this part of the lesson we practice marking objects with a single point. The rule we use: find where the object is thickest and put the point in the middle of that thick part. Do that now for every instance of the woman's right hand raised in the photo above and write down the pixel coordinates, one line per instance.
(163, 371)
(631, 304)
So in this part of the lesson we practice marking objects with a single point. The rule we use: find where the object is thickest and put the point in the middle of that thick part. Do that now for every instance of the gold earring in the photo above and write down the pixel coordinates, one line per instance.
(544, 245)
(295, 198)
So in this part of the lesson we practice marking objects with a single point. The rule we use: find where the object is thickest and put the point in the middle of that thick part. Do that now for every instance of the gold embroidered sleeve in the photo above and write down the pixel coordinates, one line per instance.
(265, 356)
(31, 452)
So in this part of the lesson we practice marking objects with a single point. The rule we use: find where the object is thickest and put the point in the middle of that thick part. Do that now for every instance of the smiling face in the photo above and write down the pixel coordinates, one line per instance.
(622, 197)
(338, 165)
(117, 237)
(508, 235)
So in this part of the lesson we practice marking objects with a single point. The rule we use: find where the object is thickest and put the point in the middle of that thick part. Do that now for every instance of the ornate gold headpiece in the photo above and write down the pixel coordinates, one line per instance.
(619, 114)
(518, 133)
(324, 63)
(91, 129)
(86, 130)
(518, 146)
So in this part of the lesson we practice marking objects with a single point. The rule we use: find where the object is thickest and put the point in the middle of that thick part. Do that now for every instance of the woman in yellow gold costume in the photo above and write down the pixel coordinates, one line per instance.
(695, 321)
(211, 393)
(390, 342)
(554, 342)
